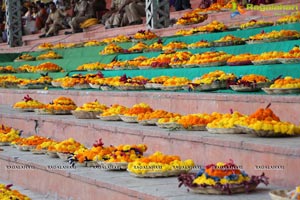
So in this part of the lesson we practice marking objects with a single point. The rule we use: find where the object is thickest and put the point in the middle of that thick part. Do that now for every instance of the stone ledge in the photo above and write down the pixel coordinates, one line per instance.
(87, 183)
(202, 147)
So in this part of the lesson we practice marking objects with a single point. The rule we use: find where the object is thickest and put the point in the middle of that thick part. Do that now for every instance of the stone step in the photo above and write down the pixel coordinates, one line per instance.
(287, 106)
(32, 195)
(99, 32)
(266, 153)
(49, 175)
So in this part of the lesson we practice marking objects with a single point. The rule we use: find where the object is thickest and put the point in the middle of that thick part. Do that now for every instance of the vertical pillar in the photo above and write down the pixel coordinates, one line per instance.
(13, 23)
(157, 14)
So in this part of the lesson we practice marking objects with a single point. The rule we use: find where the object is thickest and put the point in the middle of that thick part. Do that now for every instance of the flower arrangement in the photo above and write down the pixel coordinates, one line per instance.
(49, 55)
(145, 35)
(8, 134)
(221, 178)
(28, 103)
(111, 49)
(7, 193)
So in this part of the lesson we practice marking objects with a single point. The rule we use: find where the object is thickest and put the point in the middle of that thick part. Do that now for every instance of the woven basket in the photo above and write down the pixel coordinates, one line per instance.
(52, 154)
(110, 118)
(128, 119)
(234, 190)
(157, 174)
(224, 130)
(279, 195)
(86, 114)
(64, 156)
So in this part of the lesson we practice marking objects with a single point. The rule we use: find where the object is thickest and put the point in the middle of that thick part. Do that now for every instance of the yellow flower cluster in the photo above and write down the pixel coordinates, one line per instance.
(286, 82)
(224, 120)
(92, 66)
(111, 49)
(119, 38)
(158, 162)
(8, 134)
(49, 55)
(31, 104)
(92, 106)
(68, 146)
(6, 194)
(254, 23)
(176, 81)
(140, 46)
(277, 127)
(92, 43)
(114, 110)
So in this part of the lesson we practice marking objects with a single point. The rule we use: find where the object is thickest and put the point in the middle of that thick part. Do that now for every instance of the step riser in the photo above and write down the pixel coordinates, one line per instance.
(184, 103)
(56, 182)
(201, 149)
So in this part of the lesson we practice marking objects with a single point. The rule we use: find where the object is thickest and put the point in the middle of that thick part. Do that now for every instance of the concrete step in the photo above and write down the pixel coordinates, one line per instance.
(249, 151)
(54, 175)
(287, 106)
(32, 195)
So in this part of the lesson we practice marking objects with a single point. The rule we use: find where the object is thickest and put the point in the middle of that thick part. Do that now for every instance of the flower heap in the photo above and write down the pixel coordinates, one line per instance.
(251, 80)
(209, 57)
(114, 110)
(7, 193)
(47, 67)
(192, 120)
(199, 44)
(275, 35)
(92, 106)
(92, 43)
(97, 152)
(31, 141)
(45, 46)
(224, 120)
(128, 81)
(222, 177)
(134, 63)
(8, 134)
(214, 26)
(176, 81)
(25, 57)
(293, 53)
(139, 47)
(45, 145)
(111, 49)
(138, 109)
(191, 18)
(156, 46)
(68, 146)
(180, 58)
(92, 66)
(241, 59)
(158, 79)
(272, 55)
(254, 23)
(125, 153)
(145, 35)
(119, 38)
(155, 115)
(286, 82)
(264, 119)
(7, 69)
(174, 45)
(75, 80)
(217, 76)
(159, 163)
(28, 103)
(61, 104)
(294, 17)
(49, 55)
(43, 80)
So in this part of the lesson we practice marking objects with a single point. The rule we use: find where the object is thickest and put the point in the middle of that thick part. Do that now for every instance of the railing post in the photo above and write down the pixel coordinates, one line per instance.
(157, 14)
(13, 23)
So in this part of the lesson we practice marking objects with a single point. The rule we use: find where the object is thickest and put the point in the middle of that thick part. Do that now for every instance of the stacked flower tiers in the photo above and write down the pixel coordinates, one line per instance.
(221, 178)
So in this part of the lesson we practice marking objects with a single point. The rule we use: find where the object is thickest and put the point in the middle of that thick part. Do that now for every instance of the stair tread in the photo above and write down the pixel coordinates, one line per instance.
(164, 188)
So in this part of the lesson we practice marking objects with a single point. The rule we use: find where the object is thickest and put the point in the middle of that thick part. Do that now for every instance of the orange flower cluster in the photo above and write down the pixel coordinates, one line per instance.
(160, 158)
(245, 57)
(254, 78)
(175, 45)
(68, 146)
(154, 115)
(31, 141)
(264, 115)
(7, 69)
(286, 82)
(138, 109)
(145, 35)
(93, 154)
(111, 49)
(126, 153)
(195, 120)
(61, 103)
